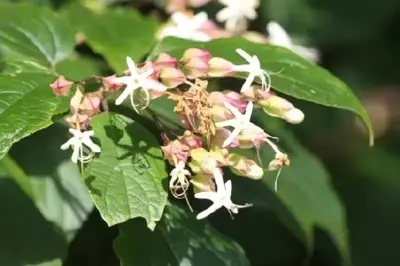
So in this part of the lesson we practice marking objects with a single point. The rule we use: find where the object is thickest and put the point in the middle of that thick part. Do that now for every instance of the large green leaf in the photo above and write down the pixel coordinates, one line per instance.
(180, 239)
(125, 181)
(55, 181)
(115, 33)
(33, 40)
(290, 73)
(35, 34)
(27, 105)
(27, 238)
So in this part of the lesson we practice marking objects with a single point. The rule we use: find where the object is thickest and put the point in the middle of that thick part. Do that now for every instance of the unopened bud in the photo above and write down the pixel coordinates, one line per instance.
(78, 121)
(172, 77)
(221, 134)
(220, 67)
(220, 113)
(202, 183)
(149, 66)
(85, 104)
(111, 85)
(191, 53)
(294, 116)
(165, 60)
(61, 86)
(190, 140)
(196, 68)
(242, 166)
(175, 151)
(202, 161)
(278, 107)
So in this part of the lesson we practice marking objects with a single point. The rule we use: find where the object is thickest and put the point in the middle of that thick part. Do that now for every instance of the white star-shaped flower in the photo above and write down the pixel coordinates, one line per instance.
(187, 27)
(77, 141)
(241, 123)
(236, 13)
(220, 198)
(179, 176)
(254, 69)
(136, 81)
(279, 37)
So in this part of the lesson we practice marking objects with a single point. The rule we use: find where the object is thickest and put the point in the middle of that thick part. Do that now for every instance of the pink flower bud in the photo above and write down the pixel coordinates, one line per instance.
(190, 140)
(61, 86)
(191, 53)
(242, 166)
(88, 104)
(175, 151)
(234, 98)
(279, 107)
(220, 113)
(78, 121)
(220, 67)
(196, 68)
(221, 134)
(172, 77)
(149, 65)
(165, 60)
(111, 85)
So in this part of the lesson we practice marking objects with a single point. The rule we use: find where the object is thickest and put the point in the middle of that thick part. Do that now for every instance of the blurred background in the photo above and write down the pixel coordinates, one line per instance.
(359, 41)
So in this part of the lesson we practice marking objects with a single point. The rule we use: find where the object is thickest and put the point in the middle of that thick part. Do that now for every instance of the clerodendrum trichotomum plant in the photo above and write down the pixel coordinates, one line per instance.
(193, 108)
(215, 122)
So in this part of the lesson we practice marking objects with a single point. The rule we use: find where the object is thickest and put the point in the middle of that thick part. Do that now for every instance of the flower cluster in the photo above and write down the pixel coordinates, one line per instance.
(235, 15)
(217, 124)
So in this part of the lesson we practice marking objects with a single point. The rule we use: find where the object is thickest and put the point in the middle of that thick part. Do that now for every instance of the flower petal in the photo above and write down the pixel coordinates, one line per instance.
(249, 111)
(249, 81)
(233, 135)
(208, 211)
(125, 94)
(75, 154)
(244, 54)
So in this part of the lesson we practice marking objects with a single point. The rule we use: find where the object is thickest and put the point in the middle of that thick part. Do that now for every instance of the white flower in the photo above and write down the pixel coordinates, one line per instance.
(241, 123)
(179, 176)
(136, 81)
(254, 69)
(236, 13)
(220, 198)
(77, 141)
(279, 37)
(187, 27)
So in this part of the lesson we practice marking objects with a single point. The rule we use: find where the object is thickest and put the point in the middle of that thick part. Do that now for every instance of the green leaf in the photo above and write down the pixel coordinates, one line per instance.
(290, 74)
(34, 33)
(26, 237)
(115, 33)
(125, 181)
(58, 190)
(12, 169)
(304, 189)
(78, 67)
(179, 239)
(27, 105)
